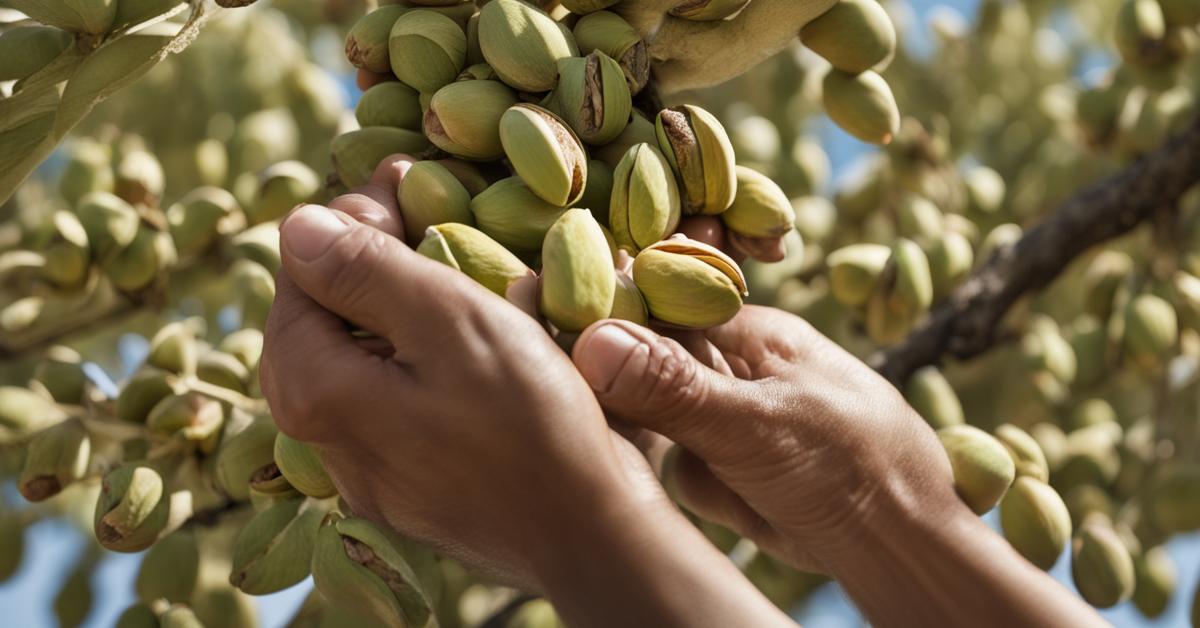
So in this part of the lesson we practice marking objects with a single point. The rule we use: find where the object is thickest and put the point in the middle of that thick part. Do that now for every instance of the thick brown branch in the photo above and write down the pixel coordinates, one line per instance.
(966, 323)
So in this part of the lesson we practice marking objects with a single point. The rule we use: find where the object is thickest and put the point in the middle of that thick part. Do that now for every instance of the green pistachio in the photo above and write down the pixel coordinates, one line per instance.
(760, 209)
(983, 468)
(1035, 521)
(597, 193)
(133, 508)
(523, 44)
(68, 256)
(1156, 578)
(468, 174)
(201, 217)
(514, 216)
(639, 130)
(140, 178)
(138, 616)
(862, 105)
(281, 187)
(224, 370)
(1175, 499)
(431, 195)
(950, 261)
(242, 454)
(61, 372)
(1101, 566)
(190, 416)
(474, 50)
(933, 398)
(179, 615)
(137, 266)
(645, 204)
(853, 35)
(688, 283)
(701, 155)
(903, 294)
(259, 244)
(302, 467)
(356, 154)
(475, 254)
(708, 10)
(367, 43)
(54, 459)
(390, 103)
(593, 97)
(274, 550)
(610, 34)
(1151, 328)
(535, 614)
(88, 169)
(1090, 456)
(111, 224)
(1025, 452)
(545, 153)
(854, 271)
(169, 570)
(244, 344)
(578, 279)
(1140, 25)
(628, 302)
(75, 597)
(427, 50)
(141, 393)
(464, 118)
(173, 348)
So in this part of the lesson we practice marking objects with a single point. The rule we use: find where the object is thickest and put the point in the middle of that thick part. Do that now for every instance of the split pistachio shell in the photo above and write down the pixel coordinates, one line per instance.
(701, 155)
(645, 204)
(514, 216)
(760, 209)
(524, 44)
(1035, 521)
(299, 463)
(545, 153)
(1025, 452)
(54, 459)
(688, 283)
(274, 550)
(111, 223)
(578, 279)
(367, 42)
(426, 50)
(190, 416)
(141, 393)
(853, 35)
(861, 104)
(610, 34)
(628, 302)
(463, 118)
(474, 253)
(431, 195)
(983, 469)
(133, 508)
(240, 455)
(593, 97)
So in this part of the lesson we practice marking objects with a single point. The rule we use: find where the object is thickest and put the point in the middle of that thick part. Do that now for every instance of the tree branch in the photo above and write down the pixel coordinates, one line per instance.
(965, 324)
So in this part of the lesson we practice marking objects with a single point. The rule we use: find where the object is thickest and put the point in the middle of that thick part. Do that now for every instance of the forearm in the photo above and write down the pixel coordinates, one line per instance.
(936, 563)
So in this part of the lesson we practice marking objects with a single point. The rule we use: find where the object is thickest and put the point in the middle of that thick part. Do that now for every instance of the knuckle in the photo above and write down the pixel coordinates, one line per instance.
(359, 264)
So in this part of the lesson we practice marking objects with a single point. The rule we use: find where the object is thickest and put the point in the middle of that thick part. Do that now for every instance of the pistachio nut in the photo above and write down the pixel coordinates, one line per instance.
(1025, 452)
(225, 606)
(202, 216)
(259, 244)
(1103, 277)
(88, 169)
(475, 179)
(708, 10)
(242, 454)
(1090, 412)
(578, 279)
(628, 302)
(1045, 349)
(173, 348)
(211, 162)
(137, 266)
(645, 204)
(610, 34)
(478, 72)
(427, 50)
(390, 103)
(983, 469)
(1089, 457)
(1140, 24)
(358, 565)
(179, 615)
(275, 549)
(584, 7)
(1180, 13)
(593, 97)
(54, 458)
(281, 187)
(190, 416)
(474, 253)
(688, 283)
(855, 270)
(244, 344)
(535, 614)
(302, 467)
(27, 49)
(950, 261)
(61, 372)
(756, 142)
(853, 35)
(701, 155)
(918, 219)
(1155, 578)
(138, 615)
(94, 17)
(256, 286)
(463, 119)
(12, 542)
(760, 209)
(367, 45)
(904, 293)
(1035, 521)
(133, 508)
(67, 254)
(111, 224)
(985, 190)
(170, 569)
(1151, 328)
(1101, 566)
(431, 195)
(933, 398)
(862, 105)
(545, 153)
(139, 178)
(638, 130)
(74, 599)
(1174, 499)
(356, 154)
(144, 389)
(597, 193)
(514, 216)
(224, 370)
(1001, 236)
(524, 44)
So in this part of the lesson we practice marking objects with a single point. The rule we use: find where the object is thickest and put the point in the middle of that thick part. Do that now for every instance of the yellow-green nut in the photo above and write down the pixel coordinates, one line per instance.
(468, 174)
(593, 97)
(88, 169)
(708, 10)
(259, 244)
(141, 393)
(190, 416)
(950, 261)
(170, 569)
(1180, 13)
(367, 42)
(133, 508)
(514, 216)
(545, 153)
(74, 599)
(111, 224)
(242, 454)
(1140, 25)
(1155, 575)
(524, 44)
(173, 348)
(281, 187)
(1035, 521)
(919, 219)
(913, 288)
(427, 50)
(140, 179)
(1045, 349)
(94, 17)
(463, 119)
(1101, 566)
(358, 565)
(933, 398)
(1088, 501)
(760, 209)
(578, 278)
(610, 34)
(640, 130)
(224, 370)
(28, 49)
(862, 105)
(390, 103)
(54, 459)
(584, 7)
(597, 193)
(67, 254)
(688, 283)
(274, 551)
(1151, 327)
(1175, 499)
(137, 266)
(853, 35)
(855, 270)
(300, 464)
(244, 344)
(356, 154)
(61, 372)
(200, 217)
(431, 195)
(138, 616)
(1025, 452)
(1092, 412)
(535, 614)
(700, 153)
(628, 302)
(645, 206)
(1090, 456)
(225, 606)
(983, 469)
(180, 615)
(478, 256)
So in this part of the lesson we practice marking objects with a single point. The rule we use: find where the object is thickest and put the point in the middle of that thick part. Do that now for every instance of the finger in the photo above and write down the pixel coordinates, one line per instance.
(768, 250)
(711, 231)
(375, 204)
(650, 381)
(523, 294)
(690, 481)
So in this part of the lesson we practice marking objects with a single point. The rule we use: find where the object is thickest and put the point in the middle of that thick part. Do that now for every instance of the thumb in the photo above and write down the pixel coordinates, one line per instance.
(653, 382)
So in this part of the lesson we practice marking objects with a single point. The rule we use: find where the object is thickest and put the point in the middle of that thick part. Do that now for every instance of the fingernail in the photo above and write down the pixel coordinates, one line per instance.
(310, 231)
(604, 355)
